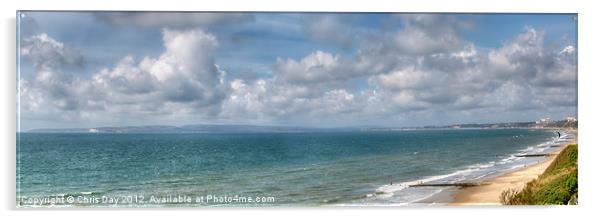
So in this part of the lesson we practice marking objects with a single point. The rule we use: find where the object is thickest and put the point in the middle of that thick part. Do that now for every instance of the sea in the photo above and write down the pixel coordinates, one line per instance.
(347, 168)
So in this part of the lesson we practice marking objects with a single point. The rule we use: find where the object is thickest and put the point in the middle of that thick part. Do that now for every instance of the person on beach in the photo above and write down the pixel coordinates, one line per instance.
(558, 134)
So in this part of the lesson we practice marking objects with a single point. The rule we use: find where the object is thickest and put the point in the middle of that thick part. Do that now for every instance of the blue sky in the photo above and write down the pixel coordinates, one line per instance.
(311, 69)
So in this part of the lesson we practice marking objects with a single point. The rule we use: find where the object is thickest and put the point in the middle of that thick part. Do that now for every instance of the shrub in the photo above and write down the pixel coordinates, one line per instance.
(557, 185)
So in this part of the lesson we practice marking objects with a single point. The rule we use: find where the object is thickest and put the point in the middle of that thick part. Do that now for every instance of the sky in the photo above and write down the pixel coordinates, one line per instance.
(91, 69)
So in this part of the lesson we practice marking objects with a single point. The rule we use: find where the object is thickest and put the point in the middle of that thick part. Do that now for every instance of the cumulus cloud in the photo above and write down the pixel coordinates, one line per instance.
(516, 75)
(316, 67)
(424, 71)
(451, 75)
(329, 28)
(174, 19)
(402, 78)
(269, 100)
(425, 38)
(185, 73)
(526, 58)
(47, 53)
(48, 56)
(183, 79)
(425, 34)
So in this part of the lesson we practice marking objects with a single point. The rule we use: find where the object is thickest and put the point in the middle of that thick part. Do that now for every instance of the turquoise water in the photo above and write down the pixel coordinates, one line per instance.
(294, 169)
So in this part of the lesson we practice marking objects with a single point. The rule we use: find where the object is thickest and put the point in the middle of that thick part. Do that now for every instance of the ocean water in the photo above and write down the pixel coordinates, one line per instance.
(263, 169)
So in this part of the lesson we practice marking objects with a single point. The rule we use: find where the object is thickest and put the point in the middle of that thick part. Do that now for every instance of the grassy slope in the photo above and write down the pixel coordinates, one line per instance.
(556, 186)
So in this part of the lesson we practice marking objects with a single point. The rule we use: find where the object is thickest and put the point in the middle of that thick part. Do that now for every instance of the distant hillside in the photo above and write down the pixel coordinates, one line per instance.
(551, 124)
(563, 124)
(180, 129)
(213, 128)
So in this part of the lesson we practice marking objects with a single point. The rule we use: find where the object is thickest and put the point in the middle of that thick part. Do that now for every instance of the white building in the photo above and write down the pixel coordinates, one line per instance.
(543, 121)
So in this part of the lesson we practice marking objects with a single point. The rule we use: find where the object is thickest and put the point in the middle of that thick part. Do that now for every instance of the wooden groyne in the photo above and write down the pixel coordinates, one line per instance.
(461, 184)
(534, 155)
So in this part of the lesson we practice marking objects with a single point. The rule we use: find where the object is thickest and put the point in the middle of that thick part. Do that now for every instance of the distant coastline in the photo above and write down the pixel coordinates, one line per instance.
(235, 128)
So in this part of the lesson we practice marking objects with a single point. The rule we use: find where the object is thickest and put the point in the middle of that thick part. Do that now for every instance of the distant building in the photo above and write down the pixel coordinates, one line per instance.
(93, 130)
(456, 126)
(570, 119)
(542, 122)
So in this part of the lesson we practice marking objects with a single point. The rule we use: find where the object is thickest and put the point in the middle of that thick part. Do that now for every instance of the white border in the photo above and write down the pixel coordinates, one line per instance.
(311, 5)
(589, 103)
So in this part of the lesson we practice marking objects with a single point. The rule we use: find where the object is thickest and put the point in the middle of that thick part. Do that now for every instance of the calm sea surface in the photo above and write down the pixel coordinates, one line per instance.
(298, 169)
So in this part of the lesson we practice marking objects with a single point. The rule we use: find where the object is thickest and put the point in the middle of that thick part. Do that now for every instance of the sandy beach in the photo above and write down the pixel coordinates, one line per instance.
(488, 193)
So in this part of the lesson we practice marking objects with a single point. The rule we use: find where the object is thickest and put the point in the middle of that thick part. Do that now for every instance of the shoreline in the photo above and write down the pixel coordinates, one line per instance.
(488, 193)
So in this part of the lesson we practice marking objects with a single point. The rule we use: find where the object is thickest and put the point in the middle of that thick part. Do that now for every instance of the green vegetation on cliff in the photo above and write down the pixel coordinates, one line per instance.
(556, 186)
